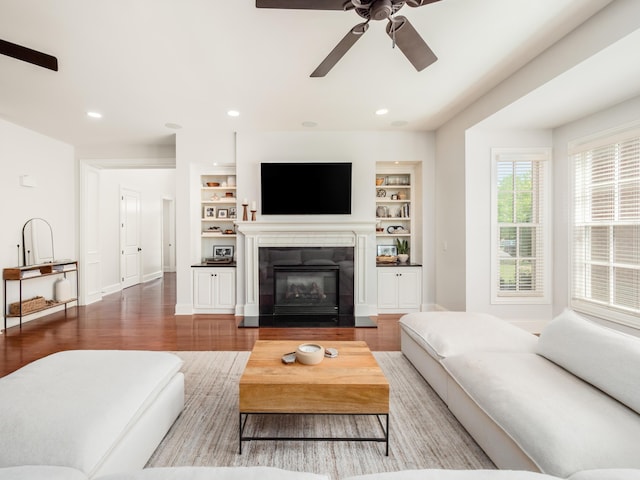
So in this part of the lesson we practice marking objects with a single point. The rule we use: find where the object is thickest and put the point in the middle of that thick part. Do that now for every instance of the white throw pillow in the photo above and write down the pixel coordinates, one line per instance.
(605, 358)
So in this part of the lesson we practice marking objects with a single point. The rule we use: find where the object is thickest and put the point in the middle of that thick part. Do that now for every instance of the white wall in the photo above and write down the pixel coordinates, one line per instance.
(615, 21)
(363, 150)
(478, 167)
(51, 164)
(195, 152)
(153, 185)
(614, 117)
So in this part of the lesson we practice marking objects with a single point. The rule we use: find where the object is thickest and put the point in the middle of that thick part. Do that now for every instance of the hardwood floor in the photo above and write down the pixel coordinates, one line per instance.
(141, 317)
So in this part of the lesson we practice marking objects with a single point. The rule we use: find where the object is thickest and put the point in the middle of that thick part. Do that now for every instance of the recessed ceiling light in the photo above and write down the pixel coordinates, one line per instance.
(382, 111)
(233, 113)
(309, 124)
(399, 123)
(173, 126)
(94, 114)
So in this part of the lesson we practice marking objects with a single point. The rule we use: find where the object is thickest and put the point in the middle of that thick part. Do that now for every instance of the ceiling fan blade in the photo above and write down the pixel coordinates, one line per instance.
(410, 43)
(305, 4)
(28, 55)
(420, 3)
(338, 52)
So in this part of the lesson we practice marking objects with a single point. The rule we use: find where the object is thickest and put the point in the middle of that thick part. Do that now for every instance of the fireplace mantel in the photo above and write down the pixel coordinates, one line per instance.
(357, 234)
(305, 227)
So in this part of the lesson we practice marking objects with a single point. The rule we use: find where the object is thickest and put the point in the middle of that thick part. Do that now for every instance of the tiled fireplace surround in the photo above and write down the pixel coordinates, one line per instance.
(355, 235)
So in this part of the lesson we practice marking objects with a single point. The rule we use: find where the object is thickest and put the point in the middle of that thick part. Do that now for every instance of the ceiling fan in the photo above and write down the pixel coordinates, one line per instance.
(399, 29)
(28, 55)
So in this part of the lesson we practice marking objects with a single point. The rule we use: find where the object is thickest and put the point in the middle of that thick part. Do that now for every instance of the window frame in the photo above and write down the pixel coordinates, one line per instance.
(542, 155)
(611, 312)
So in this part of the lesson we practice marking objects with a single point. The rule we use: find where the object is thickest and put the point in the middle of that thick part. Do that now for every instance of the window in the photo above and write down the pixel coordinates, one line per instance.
(520, 237)
(606, 227)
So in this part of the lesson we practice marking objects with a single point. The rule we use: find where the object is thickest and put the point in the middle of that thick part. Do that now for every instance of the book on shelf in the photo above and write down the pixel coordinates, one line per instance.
(30, 273)
(64, 268)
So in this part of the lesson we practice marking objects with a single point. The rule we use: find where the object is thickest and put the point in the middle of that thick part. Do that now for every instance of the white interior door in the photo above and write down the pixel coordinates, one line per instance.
(168, 235)
(130, 248)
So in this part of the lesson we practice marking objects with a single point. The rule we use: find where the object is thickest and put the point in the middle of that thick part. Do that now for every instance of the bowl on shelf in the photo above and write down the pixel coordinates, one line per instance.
(213, 184)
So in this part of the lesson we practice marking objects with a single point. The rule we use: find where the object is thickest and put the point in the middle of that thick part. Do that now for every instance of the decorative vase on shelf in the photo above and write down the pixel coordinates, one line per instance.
(62, 290)
(403, 257)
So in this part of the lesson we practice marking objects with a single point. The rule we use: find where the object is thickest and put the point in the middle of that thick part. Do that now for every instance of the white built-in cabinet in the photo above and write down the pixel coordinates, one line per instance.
(399, 289)
(214, 289)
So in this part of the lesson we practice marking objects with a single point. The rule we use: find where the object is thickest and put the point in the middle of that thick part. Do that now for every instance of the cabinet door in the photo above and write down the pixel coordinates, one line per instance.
(387, 287)
(225, 288)
(203, 288)
(409, 288)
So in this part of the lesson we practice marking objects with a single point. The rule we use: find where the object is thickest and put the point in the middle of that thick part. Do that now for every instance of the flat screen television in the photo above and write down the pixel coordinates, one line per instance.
(305, 188)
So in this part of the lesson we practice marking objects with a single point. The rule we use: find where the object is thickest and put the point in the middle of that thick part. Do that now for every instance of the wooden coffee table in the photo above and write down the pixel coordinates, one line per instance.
(350, 384)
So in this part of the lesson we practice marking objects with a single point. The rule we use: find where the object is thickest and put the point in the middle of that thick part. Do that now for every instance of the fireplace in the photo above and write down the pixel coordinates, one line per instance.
(343, 248)
(305, 289)
(306, 281)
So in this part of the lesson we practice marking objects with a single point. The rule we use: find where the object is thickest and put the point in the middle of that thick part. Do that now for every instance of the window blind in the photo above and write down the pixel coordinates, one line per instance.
(606, 228)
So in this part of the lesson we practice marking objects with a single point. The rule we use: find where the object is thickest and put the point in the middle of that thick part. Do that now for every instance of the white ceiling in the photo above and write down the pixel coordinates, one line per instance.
(145, 63)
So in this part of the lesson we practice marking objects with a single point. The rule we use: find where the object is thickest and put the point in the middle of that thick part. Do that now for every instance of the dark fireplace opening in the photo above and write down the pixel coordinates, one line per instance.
(306, 289)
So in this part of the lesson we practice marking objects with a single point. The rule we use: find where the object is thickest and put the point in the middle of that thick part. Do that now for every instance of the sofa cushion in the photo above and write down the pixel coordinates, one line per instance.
(436, 474)
(443, 334)
(564, 425)
(41, 472)
(604, 357)
(71, 408)
(214, 473)
(607, 474)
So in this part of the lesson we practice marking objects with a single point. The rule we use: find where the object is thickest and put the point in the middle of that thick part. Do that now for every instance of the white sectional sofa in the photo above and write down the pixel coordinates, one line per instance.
(103, 411)
(542, 402)
(562, 404)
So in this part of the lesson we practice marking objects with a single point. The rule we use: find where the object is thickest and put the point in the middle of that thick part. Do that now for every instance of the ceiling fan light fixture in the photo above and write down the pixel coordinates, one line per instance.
(380, 10)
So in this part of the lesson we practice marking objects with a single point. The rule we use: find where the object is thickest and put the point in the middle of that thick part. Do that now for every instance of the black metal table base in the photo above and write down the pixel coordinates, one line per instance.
(384, 426)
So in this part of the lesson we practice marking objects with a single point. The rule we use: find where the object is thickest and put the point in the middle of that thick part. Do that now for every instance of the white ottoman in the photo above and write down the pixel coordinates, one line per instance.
(98, 411)
(428, 337)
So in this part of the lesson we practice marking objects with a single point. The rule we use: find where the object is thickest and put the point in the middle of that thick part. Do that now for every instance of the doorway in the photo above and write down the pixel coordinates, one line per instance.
(130, 248)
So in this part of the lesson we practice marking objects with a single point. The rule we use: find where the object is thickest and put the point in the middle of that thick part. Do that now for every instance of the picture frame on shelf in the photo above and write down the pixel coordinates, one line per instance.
(209, 212)
(233, 212)
(387, 250)
(223, 213)
(223, 251)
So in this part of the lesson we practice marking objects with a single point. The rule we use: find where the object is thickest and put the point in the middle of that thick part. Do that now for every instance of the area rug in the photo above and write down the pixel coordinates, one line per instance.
(423, 433)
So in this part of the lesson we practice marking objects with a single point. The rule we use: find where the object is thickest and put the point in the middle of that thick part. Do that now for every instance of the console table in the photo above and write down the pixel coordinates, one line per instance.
(24, 274)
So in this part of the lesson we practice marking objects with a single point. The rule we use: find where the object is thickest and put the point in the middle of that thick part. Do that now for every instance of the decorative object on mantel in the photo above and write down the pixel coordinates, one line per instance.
(253, 211)
(245, 204)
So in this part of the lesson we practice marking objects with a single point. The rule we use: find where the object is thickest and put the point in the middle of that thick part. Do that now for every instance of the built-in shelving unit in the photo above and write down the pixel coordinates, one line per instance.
(394, 207)
(218, 212)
